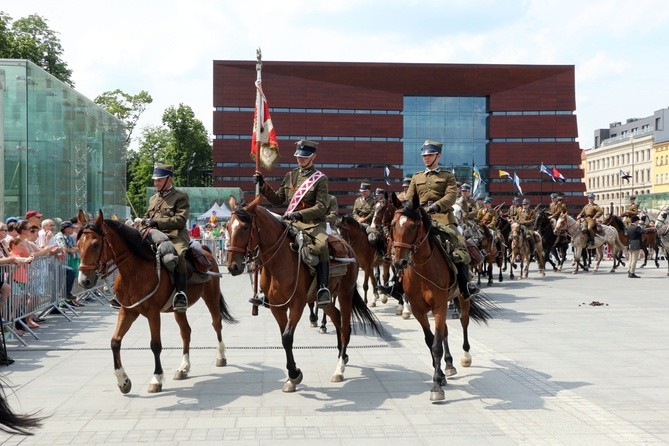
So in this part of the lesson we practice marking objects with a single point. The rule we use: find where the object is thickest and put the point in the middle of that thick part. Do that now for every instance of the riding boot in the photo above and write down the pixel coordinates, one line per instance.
(466, 288)
(323, 298)
(180, 303)
(395, 290)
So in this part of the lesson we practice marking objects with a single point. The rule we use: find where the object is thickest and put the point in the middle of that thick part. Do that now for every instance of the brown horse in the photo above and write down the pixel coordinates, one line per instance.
(288, 284)
(143, 287)
(648, 239)
(356, 236)
(429, 282)
(494, 249)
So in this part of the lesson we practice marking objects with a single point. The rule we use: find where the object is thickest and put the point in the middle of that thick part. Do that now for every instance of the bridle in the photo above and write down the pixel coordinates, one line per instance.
(412, 247)
(252, 253)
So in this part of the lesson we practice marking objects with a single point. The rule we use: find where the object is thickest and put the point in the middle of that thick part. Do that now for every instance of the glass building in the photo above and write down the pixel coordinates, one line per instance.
(59, 151)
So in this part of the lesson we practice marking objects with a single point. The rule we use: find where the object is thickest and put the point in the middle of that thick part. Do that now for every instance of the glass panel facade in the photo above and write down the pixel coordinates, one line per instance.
(460, 123)
(59, 151)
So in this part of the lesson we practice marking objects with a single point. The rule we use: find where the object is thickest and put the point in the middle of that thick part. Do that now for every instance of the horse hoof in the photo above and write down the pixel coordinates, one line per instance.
(288, 387)
(314, 324)
(372, 304)
(180, 375)
(221, 362)
(450, 371)
(322, 330)
(337, 378)
(384, 299)
(466, 361)
(155, 388)
(125, 388)
(398, 311)
(437, 395)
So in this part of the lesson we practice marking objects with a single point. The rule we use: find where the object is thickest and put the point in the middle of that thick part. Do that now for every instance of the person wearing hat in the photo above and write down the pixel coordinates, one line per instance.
(363, 207)
(514, 209)
(553, 203)
(466, 203)
(631, 210)
(591, 212)
(402, 196)
(556, 209)
(525, 218)
(436, 189)
(213, 219)
(634, 233)
(169, 210)
(65, 240)
(487, 216)
(305, 190)
(479, 204)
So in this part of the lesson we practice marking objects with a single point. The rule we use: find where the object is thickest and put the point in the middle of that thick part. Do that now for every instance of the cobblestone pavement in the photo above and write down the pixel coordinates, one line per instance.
(550, 368)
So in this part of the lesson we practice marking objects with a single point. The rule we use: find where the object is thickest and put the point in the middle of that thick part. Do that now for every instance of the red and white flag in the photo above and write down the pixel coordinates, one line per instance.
(263, 131)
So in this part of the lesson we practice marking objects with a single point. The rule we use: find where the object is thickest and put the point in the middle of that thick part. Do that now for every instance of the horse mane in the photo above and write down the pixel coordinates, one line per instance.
(418, 214)
(133, 238)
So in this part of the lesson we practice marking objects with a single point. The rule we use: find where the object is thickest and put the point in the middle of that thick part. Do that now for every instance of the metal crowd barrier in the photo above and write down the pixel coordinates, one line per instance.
(37, 288)
(217, 245)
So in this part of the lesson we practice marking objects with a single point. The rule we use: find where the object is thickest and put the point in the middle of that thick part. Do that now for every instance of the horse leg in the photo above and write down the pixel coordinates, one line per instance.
(287, 332)
(385, 277)
(214, 300)
(342, 323)
(323, 329)
(156, 383)
(124, 320)
(406, 308)
(365, 286)
(313, 315)
(490, 273)
(438, 378)
(645, 256)
(465, 306)
(185, 330)
(449, 369)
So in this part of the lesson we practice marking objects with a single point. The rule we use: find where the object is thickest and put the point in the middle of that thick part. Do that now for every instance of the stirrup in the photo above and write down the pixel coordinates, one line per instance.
(323, 298)
(259, 300)
(180, 302)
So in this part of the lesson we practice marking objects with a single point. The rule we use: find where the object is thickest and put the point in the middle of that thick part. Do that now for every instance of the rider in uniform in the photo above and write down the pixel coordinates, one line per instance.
(436, 189)
(555, 210)
(363, 212)
(466, 203)
(526, 219)
(514, 209)
(308, 213)
(402, 196)
(168, 212)
(591, 212)
(631, 210)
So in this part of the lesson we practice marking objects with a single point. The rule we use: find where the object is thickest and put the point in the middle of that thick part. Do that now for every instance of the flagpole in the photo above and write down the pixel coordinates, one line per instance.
(259, 118)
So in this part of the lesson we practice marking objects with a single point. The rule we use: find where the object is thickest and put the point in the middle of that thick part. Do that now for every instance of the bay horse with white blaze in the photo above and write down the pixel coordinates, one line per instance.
(288, 284)
(143, 287)
(429, 282)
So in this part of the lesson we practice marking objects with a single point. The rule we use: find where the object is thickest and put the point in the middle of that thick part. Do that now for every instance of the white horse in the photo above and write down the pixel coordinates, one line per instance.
(662, 228)
(580, 241)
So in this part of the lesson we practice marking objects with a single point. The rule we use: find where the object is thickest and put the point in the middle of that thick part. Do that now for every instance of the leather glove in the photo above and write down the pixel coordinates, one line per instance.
(294, 216)
(150, 223)
(258, 179)
(433, 209)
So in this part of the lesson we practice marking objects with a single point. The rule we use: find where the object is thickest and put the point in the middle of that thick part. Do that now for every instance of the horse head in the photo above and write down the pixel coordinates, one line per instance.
(384, 211)
(90, 241)
(409, 228)
(240, 236)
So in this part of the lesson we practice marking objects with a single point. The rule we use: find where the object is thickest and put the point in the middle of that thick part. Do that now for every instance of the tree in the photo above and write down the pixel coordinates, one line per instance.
(191, 152)
(153, 146)
(126, 107)
(31, 38)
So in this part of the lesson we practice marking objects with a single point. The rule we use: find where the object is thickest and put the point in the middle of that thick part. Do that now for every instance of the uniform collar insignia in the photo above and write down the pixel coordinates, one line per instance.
(437, 170)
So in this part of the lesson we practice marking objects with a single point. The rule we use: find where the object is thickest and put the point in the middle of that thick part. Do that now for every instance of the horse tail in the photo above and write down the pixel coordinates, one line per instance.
(12, 423)
(363, 316)
(225, 313)
(480, 304)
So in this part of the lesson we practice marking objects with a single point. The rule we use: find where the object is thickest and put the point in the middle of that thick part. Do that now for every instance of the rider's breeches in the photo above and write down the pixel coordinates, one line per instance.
(591, 223)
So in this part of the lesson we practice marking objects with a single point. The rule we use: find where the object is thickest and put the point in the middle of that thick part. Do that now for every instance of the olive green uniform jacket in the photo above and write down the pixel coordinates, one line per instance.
(364, 208)
(170, 210)
(591, 212)
(435, 187)
(312, 207)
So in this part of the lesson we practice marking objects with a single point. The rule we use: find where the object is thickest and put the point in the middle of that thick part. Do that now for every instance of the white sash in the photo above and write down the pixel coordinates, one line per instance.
(302, 190)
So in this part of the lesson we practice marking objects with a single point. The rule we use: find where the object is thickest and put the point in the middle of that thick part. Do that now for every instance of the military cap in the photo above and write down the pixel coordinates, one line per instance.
(305, 148)
(406, 181)
(365, 186)
(161, 170)
(466, 186)
(480, 197)
(526, 201)
(516, 199)
(431, 147)
(554, 195)
(560, 197)
(591, 195)
(379, 191)
(632, 197)
(488, 200)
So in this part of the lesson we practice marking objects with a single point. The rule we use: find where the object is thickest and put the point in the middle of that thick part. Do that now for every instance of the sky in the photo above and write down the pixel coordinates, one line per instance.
(167, 47)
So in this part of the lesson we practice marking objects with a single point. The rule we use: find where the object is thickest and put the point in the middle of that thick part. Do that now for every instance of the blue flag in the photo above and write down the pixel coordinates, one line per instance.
(544, 169)
(516, 183)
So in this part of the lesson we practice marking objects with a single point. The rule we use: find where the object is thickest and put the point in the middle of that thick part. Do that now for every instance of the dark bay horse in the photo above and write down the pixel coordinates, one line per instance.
(552, 244)
(429, 282)
(143, 287)
(495, 255)
(356, 236)
(648, 239)
(288, 284)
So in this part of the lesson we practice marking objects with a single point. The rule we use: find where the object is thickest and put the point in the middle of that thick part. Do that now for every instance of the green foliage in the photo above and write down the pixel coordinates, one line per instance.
(31, 38)
(128, 108)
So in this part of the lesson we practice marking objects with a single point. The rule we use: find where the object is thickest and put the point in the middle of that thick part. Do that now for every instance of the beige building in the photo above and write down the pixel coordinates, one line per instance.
(661, 168)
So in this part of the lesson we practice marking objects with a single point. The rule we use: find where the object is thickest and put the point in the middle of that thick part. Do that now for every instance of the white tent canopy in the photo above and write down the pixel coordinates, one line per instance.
(222, 212)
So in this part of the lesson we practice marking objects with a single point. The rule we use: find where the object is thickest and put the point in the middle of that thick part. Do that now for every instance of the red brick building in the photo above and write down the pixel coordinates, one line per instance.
(370, 115)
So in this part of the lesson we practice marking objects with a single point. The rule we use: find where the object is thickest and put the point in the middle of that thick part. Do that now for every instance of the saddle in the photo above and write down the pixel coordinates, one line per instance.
(199, 261)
